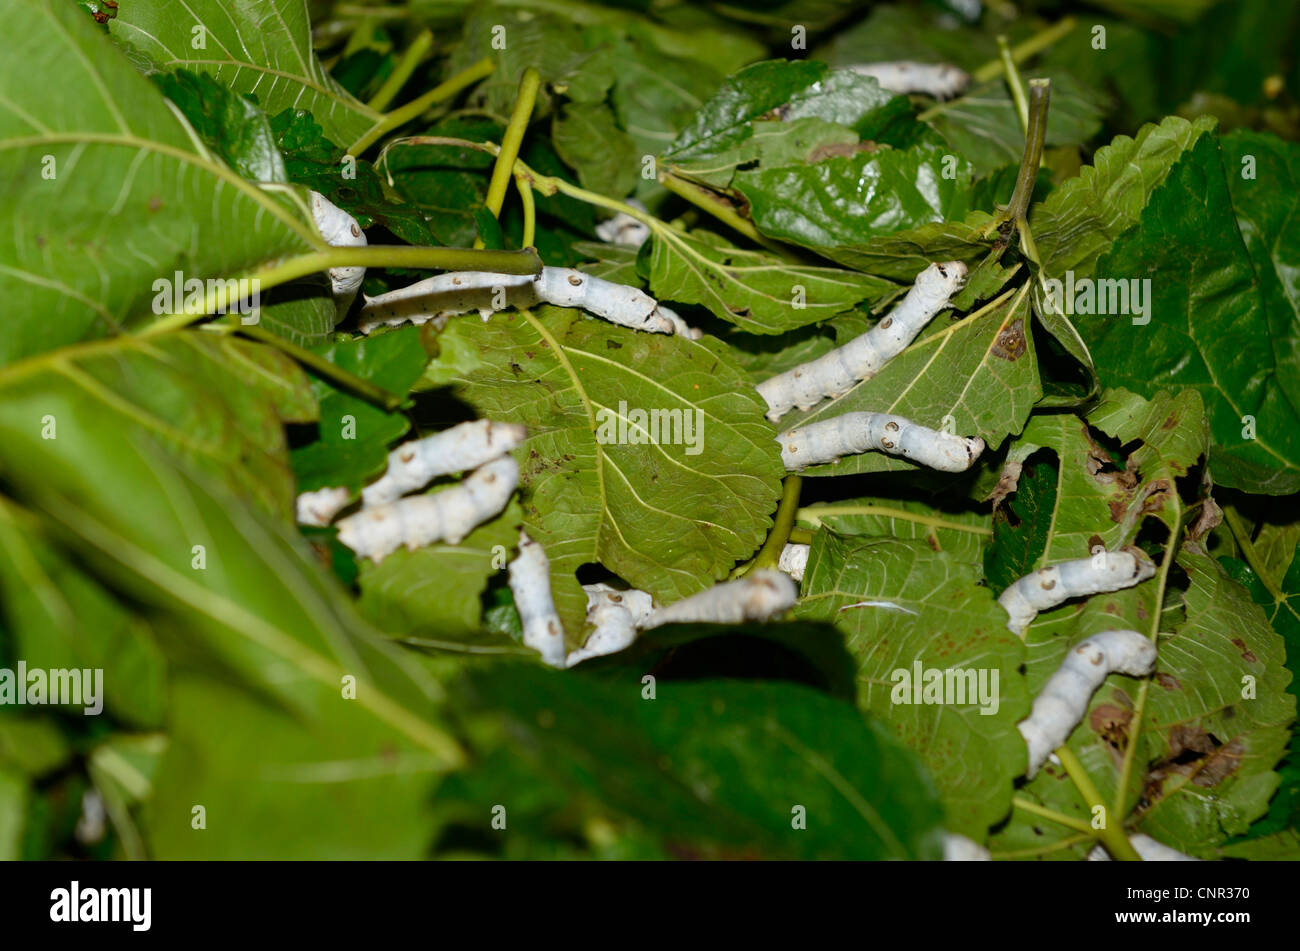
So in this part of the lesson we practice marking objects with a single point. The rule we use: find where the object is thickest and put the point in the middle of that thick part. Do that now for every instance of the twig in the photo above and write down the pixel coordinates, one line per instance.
(510, 142)
(416, 107)
(414, 54)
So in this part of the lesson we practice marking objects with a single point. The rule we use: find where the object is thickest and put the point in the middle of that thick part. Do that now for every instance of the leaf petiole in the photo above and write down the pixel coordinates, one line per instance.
(414, 55)
(504, 168)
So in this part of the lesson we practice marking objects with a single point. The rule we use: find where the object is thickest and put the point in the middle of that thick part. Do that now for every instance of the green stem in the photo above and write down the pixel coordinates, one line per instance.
(504, 168)
(1028, 805)
(1022, 51)
(815, 514)
(1015, 83)
(1139, 706)
(1242, 535)
(770, 554)
(800, 536)
(1117, 843)
(336, 375)
(1040, 95)
(412, 58)
(218, 300)
(711, 202)
(530, 209)
(417, 107)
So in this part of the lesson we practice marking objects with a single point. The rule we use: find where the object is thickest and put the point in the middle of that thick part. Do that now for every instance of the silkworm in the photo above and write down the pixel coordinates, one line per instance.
(530, 583)
(937, 80)
(835, 373)
(623, 229)
(616, 616)
(340, 230)
(487, 292)
(419, 520)
(755, 597)
(793, 560)
(1048, 587)
(958, 848)
(467, 446)
(853, 433)
(1145, 846)
(318, 508)
(1064, 699)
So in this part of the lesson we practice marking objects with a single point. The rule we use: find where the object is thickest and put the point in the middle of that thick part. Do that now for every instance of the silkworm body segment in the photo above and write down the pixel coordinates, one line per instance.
(530, 583)
(467, 446)
(1064, 699)
(853, 433)
(835, 373)
(419, 520)
(1055, 584)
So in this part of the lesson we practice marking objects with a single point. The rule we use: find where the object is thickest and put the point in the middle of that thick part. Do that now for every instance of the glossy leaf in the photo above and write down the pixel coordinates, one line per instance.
(755, 290)
(262, 48)
(901, 604)
(82, 265)
(981, 371)
(667, 518)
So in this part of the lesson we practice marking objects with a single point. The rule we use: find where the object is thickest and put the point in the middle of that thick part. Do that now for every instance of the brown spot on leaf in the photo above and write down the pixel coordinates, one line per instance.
(1168, 682)
(1170, 423)
(840, 150)
(1010, 343)
(1110, 722)
(155, 203)
(1246, 653)
(1007, 481)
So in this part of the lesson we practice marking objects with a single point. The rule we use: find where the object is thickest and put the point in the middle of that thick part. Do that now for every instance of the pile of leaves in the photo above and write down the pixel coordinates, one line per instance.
(268, 695)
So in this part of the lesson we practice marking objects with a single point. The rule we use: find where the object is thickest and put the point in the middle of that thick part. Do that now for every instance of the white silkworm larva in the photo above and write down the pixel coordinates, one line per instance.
(1064, 699)
(755, 597)
(530, 583)
(419, 520)
(938, 80)
(623, 229)
(1147, 847)
(319, 507)
(835, 373)
(853, 433)
(488, 291)
(793, 560)
(340, 230)
(1050, 586)
(616, 616)
(958, 848)
(466, 446)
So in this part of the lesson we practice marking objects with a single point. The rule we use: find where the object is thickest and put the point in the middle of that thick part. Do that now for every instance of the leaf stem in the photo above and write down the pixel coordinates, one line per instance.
(1015, 83)
(1117, 843)
(711, 202)
(411, 58)
(814, 515)
(416, 107)
(221, 298)
(336, 375)
(510, 142)
(1139, 706)
(1023, 50)
(530, 209)
(770, 554)
(1070, 822)
(1040, 94)
(800, 536)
